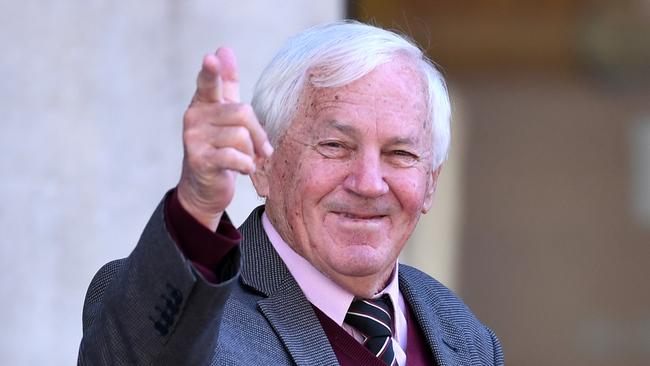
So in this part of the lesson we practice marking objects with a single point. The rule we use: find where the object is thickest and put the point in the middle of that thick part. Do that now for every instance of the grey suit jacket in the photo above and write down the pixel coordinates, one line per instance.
(153, 308)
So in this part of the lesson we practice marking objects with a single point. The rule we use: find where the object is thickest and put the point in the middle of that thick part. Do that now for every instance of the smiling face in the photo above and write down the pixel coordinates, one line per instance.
(352, 174)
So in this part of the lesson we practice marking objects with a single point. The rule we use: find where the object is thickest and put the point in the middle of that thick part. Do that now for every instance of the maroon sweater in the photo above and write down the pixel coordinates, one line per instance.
(350, 352)
(205, 250)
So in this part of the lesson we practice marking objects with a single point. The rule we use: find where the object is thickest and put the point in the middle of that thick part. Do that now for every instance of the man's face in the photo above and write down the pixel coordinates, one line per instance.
(349, 179)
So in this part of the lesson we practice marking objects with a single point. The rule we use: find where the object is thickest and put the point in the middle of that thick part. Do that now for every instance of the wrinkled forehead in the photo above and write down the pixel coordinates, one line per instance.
(395, 88)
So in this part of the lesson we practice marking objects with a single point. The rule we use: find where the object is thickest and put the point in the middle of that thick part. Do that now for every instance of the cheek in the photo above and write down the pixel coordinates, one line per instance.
(316, 182)
(301, 184)
(320, 177)
(410, 191)
(289, 183)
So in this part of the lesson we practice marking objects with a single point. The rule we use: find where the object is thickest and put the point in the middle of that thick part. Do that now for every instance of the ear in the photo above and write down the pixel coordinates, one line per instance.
(260, 178)
(432, 185)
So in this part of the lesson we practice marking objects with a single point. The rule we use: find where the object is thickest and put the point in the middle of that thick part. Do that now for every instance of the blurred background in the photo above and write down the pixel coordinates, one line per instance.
(542, 216)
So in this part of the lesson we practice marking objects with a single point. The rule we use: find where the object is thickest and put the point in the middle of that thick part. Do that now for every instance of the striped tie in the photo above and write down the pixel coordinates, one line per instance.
(373, 318)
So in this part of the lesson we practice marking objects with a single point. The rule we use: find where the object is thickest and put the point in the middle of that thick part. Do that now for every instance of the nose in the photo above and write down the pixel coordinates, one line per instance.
(366, 177)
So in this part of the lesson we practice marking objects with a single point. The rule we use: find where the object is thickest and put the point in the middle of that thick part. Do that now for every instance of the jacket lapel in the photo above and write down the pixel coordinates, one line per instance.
(285, 306)
(446, 341)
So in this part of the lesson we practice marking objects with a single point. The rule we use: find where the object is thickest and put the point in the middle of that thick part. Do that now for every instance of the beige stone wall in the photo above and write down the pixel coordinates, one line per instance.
(91, 96)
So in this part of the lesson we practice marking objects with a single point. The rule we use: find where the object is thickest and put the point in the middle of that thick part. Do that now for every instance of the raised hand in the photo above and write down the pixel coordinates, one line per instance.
(221, 137)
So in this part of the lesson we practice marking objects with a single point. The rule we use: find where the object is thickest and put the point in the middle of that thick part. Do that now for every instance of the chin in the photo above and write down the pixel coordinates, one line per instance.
(364, 264)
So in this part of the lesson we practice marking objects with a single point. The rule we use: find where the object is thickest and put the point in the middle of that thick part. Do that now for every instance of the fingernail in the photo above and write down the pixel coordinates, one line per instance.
(268, 149)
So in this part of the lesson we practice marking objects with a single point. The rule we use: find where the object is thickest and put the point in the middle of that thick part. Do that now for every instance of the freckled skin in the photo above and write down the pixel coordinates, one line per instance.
(341, 189)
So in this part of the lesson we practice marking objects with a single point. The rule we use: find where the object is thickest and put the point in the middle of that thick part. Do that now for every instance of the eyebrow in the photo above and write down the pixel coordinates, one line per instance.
(342, 127)
(352, 131)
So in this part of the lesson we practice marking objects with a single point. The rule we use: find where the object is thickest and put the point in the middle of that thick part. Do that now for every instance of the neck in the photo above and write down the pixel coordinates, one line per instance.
(364, 287)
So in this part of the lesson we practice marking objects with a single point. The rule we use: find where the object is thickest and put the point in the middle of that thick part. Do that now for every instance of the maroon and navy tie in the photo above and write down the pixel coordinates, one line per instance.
(374, 319)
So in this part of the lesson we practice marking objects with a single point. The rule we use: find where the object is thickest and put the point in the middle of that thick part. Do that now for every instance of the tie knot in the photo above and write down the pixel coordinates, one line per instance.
(372, 317)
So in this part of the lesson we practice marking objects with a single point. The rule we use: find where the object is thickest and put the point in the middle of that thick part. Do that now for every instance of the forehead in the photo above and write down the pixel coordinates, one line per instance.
(399, 78)
(392, 97)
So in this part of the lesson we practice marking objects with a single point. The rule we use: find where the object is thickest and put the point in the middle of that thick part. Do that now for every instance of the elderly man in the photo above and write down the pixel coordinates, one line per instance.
(359, 121)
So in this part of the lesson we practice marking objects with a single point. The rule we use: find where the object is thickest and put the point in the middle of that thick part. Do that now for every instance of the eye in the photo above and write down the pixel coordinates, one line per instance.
(332, 149)
(403, 158)
(332, 144)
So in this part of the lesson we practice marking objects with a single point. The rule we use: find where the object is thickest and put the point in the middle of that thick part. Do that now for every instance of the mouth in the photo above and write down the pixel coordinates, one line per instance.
(360, 216)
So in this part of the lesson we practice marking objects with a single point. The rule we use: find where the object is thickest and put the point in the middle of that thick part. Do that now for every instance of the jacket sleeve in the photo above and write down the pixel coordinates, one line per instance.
(498, 351)
(153, 307)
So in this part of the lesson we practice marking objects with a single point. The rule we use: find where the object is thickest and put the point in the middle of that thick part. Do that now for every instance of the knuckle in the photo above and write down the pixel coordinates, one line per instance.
(248, 109)
(228, 154)
(190, 136)
(205, 159)
(233, 159)
(244, 112)
(190, 117)
(194, 159)
(241, 134)
(206, 165)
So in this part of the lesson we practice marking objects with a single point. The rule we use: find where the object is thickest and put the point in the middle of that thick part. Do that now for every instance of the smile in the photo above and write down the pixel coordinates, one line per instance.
(355, 216)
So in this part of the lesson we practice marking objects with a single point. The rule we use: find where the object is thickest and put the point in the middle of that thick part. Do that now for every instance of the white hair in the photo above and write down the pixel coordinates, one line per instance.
(342, 52)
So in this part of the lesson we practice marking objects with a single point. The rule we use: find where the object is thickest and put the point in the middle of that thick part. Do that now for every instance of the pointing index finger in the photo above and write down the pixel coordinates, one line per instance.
(229, 74)
(208, 82)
